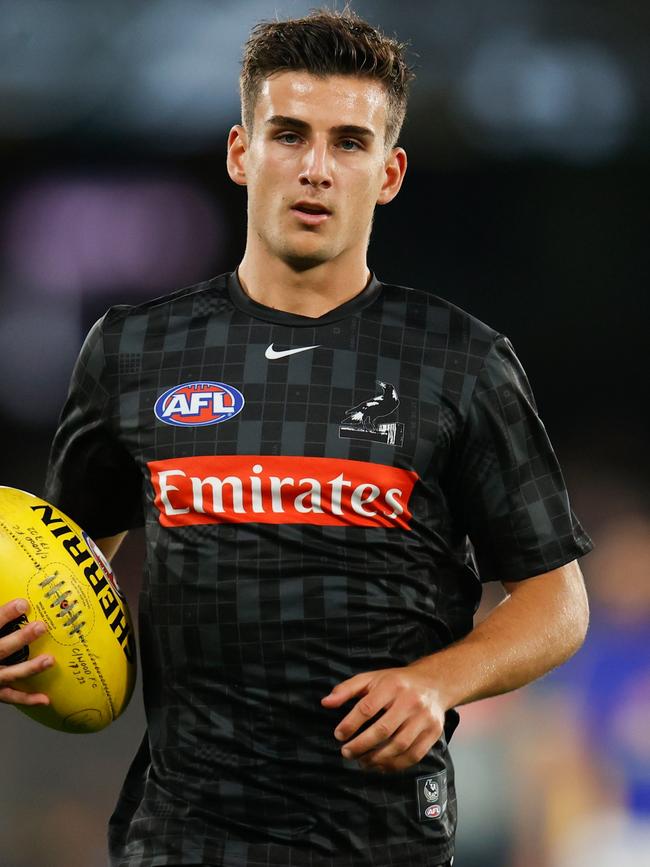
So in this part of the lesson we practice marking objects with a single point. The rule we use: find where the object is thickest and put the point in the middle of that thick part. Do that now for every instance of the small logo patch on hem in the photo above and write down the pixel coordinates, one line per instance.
(431, 792)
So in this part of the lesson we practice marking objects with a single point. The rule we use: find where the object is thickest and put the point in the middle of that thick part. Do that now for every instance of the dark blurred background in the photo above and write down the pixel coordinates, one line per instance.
(525, 202)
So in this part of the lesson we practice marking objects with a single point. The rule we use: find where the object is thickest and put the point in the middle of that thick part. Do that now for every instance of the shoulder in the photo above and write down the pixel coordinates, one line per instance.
(192, 300)
(443, 325)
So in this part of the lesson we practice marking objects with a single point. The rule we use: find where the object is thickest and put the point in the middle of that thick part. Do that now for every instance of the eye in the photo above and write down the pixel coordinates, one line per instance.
(350, 144)
(288, 137)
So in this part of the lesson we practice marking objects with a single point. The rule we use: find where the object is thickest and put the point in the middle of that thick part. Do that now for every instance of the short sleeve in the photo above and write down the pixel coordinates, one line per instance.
(91, 476)
(508, 491)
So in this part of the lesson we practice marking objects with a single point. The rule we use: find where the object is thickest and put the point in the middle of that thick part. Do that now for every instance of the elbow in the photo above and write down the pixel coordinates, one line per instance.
(584, 619)
(577, 614)
(580, 630)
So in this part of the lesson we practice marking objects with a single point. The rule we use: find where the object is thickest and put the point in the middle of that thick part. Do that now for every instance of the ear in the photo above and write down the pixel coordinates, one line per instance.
(237, 147)
(394, 171)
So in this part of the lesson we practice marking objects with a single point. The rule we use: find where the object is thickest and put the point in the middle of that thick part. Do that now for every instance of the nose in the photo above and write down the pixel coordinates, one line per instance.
(316, 170)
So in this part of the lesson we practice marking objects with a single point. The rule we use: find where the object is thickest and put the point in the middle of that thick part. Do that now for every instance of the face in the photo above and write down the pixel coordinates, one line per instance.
(315, 166)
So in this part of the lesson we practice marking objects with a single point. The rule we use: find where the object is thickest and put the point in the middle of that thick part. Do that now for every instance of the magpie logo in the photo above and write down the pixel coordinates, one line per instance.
(273, 354)
(431, 790)
(362, 421)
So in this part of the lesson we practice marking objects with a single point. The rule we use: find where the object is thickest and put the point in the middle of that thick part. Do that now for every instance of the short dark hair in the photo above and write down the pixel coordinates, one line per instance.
(327, 42)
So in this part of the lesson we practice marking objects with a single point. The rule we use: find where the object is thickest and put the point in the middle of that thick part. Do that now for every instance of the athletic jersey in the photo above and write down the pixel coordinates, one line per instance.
(321, 497)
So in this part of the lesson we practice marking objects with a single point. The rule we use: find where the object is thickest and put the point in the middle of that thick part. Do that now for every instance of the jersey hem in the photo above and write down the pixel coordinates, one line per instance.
(426, 859)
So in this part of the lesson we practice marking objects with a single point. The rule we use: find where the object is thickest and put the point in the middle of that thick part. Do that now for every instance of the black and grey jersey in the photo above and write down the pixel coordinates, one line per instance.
(321, 497)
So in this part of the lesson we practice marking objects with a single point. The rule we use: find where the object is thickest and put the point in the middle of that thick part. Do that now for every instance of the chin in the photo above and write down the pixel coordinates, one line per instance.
(303, 257)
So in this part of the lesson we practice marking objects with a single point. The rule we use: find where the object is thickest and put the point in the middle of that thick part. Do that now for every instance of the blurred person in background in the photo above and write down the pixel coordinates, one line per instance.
(263, 616)
(589, 777)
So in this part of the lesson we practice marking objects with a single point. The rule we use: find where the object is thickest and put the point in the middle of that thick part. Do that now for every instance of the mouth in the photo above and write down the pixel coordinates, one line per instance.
(311, 213)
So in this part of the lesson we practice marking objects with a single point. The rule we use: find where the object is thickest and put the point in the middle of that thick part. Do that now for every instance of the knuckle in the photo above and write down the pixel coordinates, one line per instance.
(9, 634)
(402, 744)
(17, 640)
(13, 652)
(412, 706)
(415, 701)
(366, 708)
(383, 728)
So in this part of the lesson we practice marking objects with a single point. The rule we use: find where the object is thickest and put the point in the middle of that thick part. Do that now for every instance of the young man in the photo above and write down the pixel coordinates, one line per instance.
(310, 451)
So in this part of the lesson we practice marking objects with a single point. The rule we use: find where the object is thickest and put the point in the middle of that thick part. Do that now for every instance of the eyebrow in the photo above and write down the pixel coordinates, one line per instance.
(282, 120)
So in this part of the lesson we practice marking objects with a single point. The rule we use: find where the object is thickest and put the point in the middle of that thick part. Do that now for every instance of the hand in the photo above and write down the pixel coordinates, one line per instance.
(412, 721)
(12, 642)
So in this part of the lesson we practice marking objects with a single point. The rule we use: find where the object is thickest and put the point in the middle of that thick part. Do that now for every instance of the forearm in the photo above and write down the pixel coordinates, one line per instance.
(536, 628)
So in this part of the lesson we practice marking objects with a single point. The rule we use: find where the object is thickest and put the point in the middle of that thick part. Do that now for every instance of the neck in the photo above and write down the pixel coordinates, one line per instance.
(272, 282)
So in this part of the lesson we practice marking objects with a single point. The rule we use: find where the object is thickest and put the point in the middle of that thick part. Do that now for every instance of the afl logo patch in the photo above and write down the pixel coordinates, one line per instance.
(433, 811)
(196, 404)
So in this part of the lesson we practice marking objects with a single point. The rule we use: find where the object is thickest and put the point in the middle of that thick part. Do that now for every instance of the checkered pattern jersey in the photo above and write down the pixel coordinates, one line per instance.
(245, 625)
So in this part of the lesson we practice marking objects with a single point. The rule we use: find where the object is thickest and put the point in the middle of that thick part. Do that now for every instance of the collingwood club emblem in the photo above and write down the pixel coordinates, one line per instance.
(362, 420)
(431, 794)
(431, 790)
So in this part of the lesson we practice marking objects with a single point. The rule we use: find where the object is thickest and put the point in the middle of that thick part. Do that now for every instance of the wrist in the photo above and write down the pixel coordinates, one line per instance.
(440, 679)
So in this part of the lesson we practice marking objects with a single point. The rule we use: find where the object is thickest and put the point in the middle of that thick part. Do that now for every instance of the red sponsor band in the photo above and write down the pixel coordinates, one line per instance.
(273, 489)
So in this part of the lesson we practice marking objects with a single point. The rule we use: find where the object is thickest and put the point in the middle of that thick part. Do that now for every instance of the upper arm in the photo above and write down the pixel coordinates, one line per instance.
(109, 544)
(91, 474)
(565, 585)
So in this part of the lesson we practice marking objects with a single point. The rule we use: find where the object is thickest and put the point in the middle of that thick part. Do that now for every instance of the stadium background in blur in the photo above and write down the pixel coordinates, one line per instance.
(528, 137)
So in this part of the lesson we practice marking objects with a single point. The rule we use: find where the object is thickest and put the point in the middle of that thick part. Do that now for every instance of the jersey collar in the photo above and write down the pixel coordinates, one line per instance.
(245, 303)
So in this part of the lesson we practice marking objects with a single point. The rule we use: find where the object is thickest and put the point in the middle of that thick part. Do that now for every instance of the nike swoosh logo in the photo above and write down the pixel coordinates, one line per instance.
(272, 354)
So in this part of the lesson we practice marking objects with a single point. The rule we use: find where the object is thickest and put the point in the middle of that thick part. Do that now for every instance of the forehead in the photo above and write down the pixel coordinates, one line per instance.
(323, 101)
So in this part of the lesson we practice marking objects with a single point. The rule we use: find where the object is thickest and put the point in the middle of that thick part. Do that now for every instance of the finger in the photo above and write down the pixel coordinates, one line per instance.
(10, 673)
(376, 699)
(415, 753)
(400, 742)
(12, 610)
(14, 696)
(347, 689)
(381, 730)
(16, 640)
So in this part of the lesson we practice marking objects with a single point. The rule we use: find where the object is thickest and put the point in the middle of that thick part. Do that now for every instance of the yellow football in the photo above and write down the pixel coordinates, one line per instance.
(49, 560)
